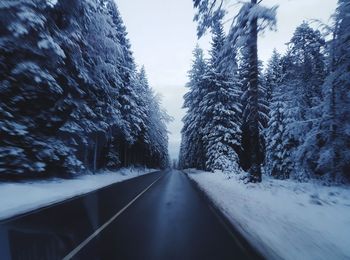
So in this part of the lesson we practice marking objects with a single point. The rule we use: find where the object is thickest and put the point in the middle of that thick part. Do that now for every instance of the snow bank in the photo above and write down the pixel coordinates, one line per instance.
(284, 219)
(17, 198)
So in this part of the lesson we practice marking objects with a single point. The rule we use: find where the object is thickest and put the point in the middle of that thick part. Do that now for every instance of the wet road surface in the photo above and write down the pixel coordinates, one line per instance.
(155, 216)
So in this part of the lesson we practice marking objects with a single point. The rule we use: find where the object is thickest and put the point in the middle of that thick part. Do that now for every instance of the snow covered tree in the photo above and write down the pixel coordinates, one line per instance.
(221, 110)
(98, 113)
(277, 161)
(127, 96)
(192, 150)
(151, 147)
(304, 76)
(273, 74)
(243, 75)
(326, 148)
(68, 82)
(113, 157)
(306, 51)
(33, 91)
(157, 134)
(251, 19)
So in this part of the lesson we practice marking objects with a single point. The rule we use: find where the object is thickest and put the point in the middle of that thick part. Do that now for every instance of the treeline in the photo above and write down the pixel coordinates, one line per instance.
(72, 97)
(303, 105)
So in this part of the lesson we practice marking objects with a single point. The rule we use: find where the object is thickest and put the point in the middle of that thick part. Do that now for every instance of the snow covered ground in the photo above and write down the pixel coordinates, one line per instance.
(284, 219)
(17, 198)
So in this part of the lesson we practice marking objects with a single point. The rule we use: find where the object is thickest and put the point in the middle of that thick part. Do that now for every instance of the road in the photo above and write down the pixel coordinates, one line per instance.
(155, 216)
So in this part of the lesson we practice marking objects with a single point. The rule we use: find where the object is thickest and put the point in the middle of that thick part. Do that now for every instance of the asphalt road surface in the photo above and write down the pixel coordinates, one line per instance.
(155, 216)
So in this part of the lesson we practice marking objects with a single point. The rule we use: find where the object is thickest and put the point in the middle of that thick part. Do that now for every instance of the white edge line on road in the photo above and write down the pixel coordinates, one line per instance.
(100, 229)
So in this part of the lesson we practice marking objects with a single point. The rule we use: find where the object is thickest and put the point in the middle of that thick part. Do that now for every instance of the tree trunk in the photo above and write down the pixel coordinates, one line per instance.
(125, 156)
(86, 153)
(95, 154)
(333, 127)
(255, 170)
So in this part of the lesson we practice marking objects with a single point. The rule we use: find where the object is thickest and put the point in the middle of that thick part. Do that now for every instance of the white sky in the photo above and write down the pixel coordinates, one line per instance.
(163, 36)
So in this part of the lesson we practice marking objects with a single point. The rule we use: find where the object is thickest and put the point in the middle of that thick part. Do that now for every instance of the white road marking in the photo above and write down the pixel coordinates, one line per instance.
(100, 229)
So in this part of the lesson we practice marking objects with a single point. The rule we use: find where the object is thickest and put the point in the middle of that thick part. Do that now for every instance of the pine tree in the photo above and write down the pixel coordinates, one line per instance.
(326, 151)
(244, 32)
(276, 150)
(263, 110)
(153, 140)
(192, 152)
(99, 116)
(253, 99)
(273, 74)
(304, 77)
(221, 110)
(68, 99)
(158, 134)
(33, 105)
(127, 96)
(306, 51)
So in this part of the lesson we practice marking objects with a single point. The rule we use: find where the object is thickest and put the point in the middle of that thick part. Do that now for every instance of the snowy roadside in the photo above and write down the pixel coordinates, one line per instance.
(17, 198)
(284, 219)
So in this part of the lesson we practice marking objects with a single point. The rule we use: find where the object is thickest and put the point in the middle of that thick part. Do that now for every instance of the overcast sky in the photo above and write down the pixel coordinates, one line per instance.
(163, 36)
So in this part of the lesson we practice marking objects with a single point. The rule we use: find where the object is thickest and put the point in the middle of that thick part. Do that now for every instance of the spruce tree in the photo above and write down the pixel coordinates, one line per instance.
(275, 150)
(192, 152)
(68, 82)
(221, 110)
(326, 151)
(244, 32)
(33, 103)
(304, 76)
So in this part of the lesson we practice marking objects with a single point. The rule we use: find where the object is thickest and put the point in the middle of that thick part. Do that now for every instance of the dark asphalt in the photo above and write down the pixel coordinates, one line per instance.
(171, 220)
